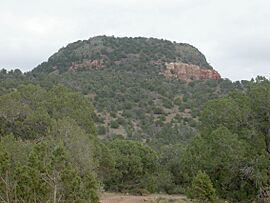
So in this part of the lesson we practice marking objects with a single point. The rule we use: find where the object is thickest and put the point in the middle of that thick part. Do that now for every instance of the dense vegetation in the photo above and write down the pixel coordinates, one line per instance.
(47, 146)
(132, 54)
(130, 96)
(67, 136)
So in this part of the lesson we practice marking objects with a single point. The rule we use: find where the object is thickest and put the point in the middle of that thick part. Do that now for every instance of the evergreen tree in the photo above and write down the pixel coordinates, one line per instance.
(202, 188)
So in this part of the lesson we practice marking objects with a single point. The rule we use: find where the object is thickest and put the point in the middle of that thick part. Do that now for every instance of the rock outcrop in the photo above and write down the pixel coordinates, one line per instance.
(86, 65)
(189, 72)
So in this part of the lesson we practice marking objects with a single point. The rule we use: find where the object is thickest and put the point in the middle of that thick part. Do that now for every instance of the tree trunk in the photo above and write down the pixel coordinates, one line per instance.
(7, 187)
(55, 194)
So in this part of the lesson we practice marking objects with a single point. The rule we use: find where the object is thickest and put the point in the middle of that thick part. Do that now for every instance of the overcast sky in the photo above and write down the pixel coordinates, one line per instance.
(234, 35)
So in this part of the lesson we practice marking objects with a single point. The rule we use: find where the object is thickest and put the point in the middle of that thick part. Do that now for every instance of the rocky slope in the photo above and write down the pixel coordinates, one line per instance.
(189, 72)
(143, 54)
(138, 86)
(86, 65)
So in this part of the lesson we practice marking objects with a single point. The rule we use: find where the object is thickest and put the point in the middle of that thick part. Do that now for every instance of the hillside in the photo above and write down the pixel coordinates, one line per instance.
(136, 92)
(141, 54)
(132, 115)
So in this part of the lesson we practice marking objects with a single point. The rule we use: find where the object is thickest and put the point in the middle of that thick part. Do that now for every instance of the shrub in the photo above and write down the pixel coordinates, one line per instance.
(202, 188)
(101, 130)
(114, 124)
(158, 110)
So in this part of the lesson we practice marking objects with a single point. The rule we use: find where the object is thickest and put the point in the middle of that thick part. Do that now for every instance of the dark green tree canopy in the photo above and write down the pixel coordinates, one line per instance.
(28, 112)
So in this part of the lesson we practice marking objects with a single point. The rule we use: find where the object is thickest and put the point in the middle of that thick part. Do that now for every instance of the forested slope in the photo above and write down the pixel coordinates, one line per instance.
(122, 77)
(100, 115)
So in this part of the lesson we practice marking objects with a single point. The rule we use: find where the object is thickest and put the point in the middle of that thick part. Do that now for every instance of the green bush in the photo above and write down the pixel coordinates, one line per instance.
(158, 110)
(202, 188)
(114, 124)
(101, 130)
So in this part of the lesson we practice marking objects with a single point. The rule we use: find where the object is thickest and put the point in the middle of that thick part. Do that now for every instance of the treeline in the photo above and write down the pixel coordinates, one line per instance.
(228, 159)
(232, 148)
(48, 146)
(134, 105)
(49, 150)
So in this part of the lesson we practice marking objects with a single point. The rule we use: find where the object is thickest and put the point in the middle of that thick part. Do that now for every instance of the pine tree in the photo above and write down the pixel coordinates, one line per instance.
(202, 188)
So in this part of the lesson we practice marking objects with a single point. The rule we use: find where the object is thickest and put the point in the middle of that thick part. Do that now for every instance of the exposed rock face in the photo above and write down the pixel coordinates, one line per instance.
(87, 65)
(189, 72)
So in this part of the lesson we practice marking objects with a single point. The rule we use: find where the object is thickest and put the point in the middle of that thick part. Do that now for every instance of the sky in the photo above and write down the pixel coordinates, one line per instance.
(234, 35)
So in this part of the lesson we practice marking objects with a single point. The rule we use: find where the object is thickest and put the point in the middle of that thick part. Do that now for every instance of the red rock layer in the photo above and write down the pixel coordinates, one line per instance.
(87, 65)
(189, 72)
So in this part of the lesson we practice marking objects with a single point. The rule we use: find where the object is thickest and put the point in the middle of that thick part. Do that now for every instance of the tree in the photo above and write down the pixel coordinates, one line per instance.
(63, 102)
(227, 160)
(260, 102)
(202, 188)
(5, 172)
(232, 112)
(49, 175)
(78, 144)
(134, 163)
(45, 174)
(246, 114)
(29, 112)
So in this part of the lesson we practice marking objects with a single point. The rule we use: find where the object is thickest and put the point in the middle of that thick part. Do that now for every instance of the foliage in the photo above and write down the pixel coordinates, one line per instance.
(51, 157)
(46, 174)
(29, 111)
(169, 130)
(127, 86)
(236, 156)
(202, 188)
(110, 50)
(135, 165)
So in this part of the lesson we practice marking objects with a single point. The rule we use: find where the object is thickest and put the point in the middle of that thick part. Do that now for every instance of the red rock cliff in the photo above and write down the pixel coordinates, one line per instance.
(189, 72)
(87, 65)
